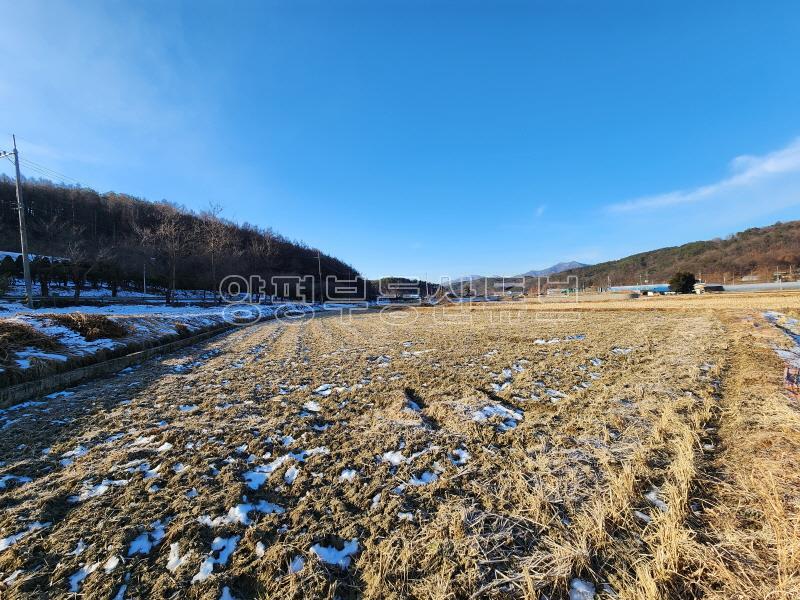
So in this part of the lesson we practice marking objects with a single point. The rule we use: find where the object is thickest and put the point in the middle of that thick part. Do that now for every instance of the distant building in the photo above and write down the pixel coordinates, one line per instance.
(703, 288)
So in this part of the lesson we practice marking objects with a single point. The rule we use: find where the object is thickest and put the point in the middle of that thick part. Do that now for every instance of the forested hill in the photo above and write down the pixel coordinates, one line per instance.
(112, 236)
(757, 251)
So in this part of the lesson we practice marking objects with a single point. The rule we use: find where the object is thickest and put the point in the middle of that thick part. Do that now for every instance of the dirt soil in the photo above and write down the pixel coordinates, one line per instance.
(431, 453)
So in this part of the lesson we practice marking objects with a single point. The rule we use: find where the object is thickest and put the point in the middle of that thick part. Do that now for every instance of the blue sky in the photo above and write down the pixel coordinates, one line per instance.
(423, 137)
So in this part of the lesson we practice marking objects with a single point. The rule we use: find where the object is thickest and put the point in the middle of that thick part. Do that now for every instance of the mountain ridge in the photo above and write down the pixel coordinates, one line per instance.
(757, 252)
(556, 268)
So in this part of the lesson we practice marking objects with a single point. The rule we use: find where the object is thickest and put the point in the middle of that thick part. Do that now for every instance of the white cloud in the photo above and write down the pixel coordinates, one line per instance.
(768, 178)
(540, 210)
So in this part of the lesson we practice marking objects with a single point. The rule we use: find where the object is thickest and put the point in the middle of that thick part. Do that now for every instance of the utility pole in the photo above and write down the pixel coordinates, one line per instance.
(23, 231)
(144, 278)
(319, 269)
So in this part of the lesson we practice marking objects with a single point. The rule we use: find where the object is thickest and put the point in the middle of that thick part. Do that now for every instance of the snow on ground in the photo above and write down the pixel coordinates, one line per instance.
(791, 327)
(147, 540)
(145, 324)
(243, 476)
(223, 548)
(333, 556)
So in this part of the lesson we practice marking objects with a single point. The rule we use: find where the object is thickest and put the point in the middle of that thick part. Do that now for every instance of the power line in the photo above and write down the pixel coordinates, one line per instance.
(46, 170)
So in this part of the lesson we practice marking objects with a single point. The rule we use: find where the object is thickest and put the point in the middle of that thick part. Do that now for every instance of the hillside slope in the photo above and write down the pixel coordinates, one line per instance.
(118, 239)
(757, 251)
(556, 268)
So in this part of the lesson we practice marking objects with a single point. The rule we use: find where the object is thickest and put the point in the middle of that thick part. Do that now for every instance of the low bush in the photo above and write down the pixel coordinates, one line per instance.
(90, 326)
(15, 336)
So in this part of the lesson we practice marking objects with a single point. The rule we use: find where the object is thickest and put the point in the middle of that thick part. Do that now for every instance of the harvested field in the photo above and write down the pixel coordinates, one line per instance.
(437, 453)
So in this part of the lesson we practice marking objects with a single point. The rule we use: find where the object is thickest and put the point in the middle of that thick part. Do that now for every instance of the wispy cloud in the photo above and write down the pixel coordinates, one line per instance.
(540, 210)
(122, 73)
(753, 174)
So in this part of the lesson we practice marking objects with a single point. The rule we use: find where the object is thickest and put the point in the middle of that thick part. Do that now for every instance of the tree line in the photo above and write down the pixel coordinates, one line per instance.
(759, 251)
(114, 238)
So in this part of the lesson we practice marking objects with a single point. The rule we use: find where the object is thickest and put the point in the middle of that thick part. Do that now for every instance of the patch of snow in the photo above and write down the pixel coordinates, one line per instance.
(297, 564)
(312, 406)
(223, 548)
(12, 578)
(148, 539)
(93, 491)
(77, 452)
(459, 457)
(175, 560)
(412, 406)
(424, 479)
(239, 514)
(81, 574)
(652, 498)
(111, 564)
(291, 474)
(642, 517)
(347, 475)
(79, 548)
(256, 478)
(394, 457)
(580, 589)
(332, 556)
(226, 594)
(509, 416)
(9, 541)
(17, 478)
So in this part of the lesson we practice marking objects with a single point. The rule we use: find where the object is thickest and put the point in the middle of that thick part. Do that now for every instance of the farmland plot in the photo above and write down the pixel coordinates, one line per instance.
(415, 456)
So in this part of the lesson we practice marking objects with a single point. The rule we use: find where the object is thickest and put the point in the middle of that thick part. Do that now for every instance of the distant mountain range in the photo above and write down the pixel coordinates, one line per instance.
(758, 254)
(556, 268)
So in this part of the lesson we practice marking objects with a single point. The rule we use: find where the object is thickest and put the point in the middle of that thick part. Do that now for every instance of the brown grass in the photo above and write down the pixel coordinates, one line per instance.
(695, 411)
(90, 326)
(15, 336)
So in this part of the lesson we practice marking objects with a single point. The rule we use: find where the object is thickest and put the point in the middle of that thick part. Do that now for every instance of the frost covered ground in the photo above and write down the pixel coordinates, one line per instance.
(455, 454)
(144, 325)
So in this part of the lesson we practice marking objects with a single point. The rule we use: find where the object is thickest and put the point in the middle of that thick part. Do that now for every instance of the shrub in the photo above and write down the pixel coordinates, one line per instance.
(16, 336)
(682, 282)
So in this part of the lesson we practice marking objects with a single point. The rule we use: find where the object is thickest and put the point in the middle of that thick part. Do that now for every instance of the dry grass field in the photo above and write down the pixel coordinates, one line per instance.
(622, 449)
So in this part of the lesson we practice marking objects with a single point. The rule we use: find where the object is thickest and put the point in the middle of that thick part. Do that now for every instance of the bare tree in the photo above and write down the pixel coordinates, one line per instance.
(261, 248)
(171, 238)
(215, 238)
(82, 257)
